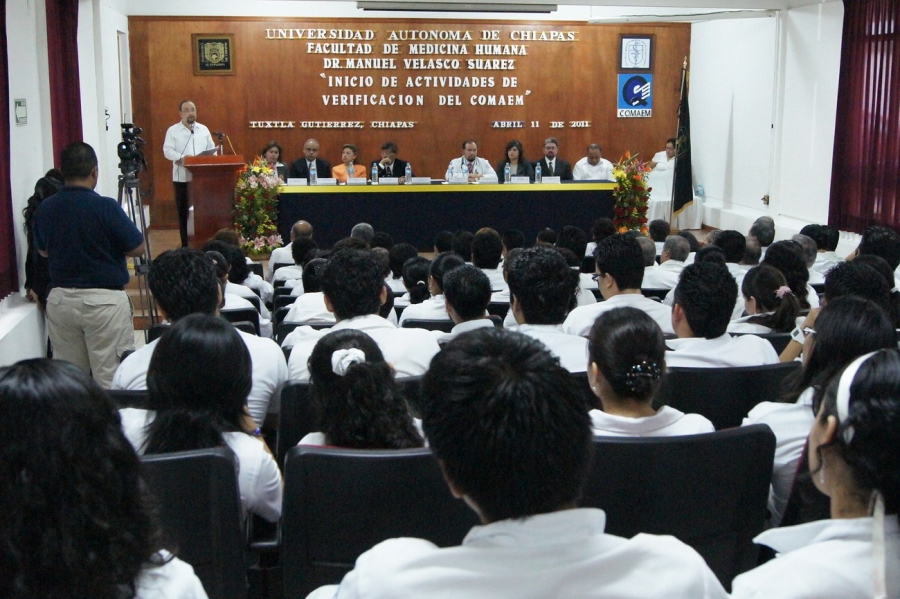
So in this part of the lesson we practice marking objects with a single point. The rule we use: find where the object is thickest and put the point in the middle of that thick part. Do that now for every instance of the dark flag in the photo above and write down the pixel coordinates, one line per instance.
(683, 184)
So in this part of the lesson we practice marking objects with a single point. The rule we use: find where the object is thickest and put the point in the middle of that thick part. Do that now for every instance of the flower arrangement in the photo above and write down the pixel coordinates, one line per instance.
(631, 194)
(255, 208)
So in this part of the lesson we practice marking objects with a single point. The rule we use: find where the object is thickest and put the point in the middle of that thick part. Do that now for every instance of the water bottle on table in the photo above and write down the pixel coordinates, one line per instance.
(313, 175)
(408, 173)
(374, 173)
(506, 173)
(537, 173)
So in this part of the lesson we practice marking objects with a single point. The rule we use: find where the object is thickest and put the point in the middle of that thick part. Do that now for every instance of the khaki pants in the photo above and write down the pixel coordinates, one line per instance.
(91, 328)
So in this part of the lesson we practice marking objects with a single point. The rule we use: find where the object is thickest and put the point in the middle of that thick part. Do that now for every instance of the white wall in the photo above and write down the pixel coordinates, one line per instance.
(763, 107)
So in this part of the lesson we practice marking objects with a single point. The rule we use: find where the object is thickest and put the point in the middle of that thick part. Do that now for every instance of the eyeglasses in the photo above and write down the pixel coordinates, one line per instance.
(596, 276)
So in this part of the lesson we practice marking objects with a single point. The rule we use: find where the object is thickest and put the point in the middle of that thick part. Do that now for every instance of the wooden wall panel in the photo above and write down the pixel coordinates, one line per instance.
(279, 80)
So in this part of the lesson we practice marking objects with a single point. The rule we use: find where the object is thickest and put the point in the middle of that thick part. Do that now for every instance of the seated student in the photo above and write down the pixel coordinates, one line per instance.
(854, 460)
(283, 254)
(751, 255)
(249, 279)
(810, 252)
(648, 249)
(546, 237)
(383, 260)
(75, 519)
(238, 268)
(542, 289)
(880, 241)
(600, 230)
(354, 387)
(302, 251)
(434, 308)
(508, 426)
(704, 300)
(671, 262)
(183, 282)
(230, 301)
(583, 295)
(620, 271)
(467, 293)
(364, 232)
(659, 230)
(826, 239)
(734, 245)
(415, 280)
(847, 327)
(847, 278)
(310, 307)
(763, 231)
(354, 291)
(462, 244)
(512, 239)
(627, 362)
(487, 252)
(768, 301)
(787, 256)
(443, 242)
(382, 239)
(398, 256)
(692, 241)
(199, 377)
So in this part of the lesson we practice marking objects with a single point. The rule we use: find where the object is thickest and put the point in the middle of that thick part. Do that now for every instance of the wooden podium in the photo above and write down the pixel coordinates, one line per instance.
(211, 191)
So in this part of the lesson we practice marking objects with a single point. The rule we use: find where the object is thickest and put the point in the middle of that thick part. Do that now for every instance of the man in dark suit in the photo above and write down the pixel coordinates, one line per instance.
(300, 168)
(551, 165)
(390, 165)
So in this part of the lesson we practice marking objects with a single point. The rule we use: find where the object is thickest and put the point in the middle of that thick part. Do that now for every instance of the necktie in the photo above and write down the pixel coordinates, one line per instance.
(389, 169)
(550, 167)
(471, 167)
(309, 166)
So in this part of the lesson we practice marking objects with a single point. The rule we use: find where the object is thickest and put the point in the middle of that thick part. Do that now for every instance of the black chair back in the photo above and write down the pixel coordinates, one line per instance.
(122, 398)
(280, 314)
(242, 315)
(200, 511)
(298, 416)
(710, 491)
(659, 294)
(256, 268)
(432, 325)
(279, 265)
(723, 395)
(283, 300)
(338, 503)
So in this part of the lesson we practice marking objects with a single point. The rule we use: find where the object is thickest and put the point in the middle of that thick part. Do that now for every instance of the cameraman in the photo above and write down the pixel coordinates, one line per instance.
(85, 238)
(185, 138)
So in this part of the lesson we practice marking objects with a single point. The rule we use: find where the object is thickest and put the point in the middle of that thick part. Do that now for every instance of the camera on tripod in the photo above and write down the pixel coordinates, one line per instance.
(129, 150)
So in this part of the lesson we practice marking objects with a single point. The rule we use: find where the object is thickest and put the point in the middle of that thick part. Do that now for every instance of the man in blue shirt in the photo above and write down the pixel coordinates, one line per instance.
(86, 238)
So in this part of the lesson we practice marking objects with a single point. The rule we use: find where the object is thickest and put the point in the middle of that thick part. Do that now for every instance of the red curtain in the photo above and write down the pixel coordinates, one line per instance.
(65, 89)
(865, 180)
(9, 277)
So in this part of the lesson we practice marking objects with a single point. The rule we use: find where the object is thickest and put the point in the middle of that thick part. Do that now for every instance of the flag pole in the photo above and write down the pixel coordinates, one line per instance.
(677, 129)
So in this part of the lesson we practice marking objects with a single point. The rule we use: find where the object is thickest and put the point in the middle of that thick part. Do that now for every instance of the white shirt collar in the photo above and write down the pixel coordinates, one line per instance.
(790, 538)
(563, 527)
(364, 323)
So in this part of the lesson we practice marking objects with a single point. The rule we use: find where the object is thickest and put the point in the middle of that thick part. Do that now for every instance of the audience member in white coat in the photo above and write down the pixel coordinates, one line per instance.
(434, 308)
(787, 256)
(487, 252)
(543, 289)
(76, 521)
(627, 363)
(703, 305)
(768, 301)
(397, 257)
(283, 255)
(671, 262)
(620, 271)
(467, 293)
(354, 389)
(199, 377)
(507, 425)
(854, 460)
(310, 306)
(354, 291)
(847, 328)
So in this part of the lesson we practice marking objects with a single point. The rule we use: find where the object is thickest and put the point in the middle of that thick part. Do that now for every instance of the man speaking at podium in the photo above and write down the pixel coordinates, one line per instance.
(185, 138)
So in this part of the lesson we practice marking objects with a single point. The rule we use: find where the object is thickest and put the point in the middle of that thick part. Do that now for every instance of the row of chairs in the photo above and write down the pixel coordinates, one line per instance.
(710, 491)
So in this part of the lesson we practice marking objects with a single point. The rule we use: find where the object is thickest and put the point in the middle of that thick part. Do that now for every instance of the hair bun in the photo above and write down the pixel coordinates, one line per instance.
(343, 359)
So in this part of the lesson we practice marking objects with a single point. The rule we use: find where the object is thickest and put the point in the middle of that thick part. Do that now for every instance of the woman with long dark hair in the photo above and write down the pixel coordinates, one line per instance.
(846, 328)
(198, 380)
(627, 360)
(519, 166)
(854, 459)
(75, 522)
(769, 302)
(354, 389)
(37, 270)
(434, 307)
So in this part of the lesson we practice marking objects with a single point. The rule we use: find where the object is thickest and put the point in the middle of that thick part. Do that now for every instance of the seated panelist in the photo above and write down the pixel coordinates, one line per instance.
(551, 164)
(515, 158)
(390, 165)
(478, 169)
(349, 167)
(300, 168)
(593, 167)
